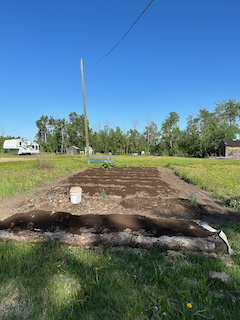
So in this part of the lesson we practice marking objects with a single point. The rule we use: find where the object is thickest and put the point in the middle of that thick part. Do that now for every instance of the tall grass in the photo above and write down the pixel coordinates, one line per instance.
(44, 162)
(222, 181)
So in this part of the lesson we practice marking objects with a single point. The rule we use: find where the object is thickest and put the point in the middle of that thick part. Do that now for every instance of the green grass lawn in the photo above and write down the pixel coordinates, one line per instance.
(20, 176)
(55, 281)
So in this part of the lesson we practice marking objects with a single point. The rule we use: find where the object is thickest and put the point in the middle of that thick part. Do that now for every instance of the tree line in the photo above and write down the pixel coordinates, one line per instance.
(201, 136)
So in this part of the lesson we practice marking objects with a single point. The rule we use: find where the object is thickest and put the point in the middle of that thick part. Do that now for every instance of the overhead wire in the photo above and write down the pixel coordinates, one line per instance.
(91, 65)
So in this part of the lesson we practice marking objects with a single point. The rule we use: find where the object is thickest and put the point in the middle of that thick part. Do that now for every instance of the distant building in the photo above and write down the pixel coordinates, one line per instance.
(229, 148)
(90, 150)
(72, 150)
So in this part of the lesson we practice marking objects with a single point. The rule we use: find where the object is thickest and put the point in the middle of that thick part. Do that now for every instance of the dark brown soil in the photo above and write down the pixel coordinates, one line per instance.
(115, 199)
(154, 227)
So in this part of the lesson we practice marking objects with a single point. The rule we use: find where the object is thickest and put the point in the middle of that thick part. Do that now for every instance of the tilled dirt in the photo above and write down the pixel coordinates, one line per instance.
(113, 200)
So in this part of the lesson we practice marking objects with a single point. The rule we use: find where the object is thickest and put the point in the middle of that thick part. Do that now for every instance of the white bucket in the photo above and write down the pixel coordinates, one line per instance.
(76, 195)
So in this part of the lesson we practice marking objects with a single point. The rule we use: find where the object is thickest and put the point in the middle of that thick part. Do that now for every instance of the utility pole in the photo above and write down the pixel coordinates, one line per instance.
(85, 113)
(62, 142)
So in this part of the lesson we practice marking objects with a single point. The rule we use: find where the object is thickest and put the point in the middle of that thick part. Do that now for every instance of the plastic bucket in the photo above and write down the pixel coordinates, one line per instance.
(76, 195)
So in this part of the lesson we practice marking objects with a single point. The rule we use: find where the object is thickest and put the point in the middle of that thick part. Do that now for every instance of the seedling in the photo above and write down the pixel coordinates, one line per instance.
(103, 194)
(193, 200)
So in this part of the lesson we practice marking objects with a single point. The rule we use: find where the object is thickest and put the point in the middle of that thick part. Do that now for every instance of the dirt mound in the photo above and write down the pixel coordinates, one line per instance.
(42, 221)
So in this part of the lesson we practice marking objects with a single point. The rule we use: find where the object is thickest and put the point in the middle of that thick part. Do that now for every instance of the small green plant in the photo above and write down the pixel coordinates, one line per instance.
(103, 194)
(108, 165)
(193, 200)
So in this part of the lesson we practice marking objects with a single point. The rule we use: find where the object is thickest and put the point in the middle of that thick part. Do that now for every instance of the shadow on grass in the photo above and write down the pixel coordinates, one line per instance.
(56, 281)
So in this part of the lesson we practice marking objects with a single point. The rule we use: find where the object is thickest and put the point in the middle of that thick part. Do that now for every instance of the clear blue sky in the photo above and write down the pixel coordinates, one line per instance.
(179, 56)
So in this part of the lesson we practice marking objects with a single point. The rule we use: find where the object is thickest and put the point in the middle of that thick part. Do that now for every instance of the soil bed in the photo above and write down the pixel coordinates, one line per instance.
(150, 201)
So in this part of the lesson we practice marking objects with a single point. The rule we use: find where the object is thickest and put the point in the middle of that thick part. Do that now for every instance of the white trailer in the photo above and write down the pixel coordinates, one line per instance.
(21, 146)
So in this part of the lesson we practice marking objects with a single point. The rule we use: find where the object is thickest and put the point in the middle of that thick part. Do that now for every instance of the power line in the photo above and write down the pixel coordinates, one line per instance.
(47, 101)
(91, 65)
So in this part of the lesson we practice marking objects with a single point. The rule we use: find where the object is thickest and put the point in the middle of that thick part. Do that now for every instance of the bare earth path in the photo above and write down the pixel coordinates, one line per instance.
(126, 195)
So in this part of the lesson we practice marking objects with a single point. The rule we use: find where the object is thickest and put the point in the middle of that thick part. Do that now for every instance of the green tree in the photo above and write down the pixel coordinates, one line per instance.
(76, 131)
(133, 141)
(102, 143)
(170, 133)
(204, 132)
(229, 110)
(60, 133)
(95, 141)
(151, 134)
(42, 125)
(51, 123)
(190, 138)
(116, 140)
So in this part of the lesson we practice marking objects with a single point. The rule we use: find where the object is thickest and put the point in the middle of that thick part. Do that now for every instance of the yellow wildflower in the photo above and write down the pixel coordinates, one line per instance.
(189, 305)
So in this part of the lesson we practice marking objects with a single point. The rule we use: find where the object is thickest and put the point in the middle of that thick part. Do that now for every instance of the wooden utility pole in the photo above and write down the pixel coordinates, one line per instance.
(85, 113)
(62, 141)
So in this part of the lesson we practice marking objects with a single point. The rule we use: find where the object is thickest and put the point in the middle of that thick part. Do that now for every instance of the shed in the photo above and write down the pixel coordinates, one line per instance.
(90, 150)
(72, 150)
(229, 148)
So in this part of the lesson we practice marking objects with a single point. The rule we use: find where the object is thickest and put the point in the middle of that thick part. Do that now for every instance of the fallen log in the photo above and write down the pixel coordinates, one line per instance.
(113, 229)
(124, 238)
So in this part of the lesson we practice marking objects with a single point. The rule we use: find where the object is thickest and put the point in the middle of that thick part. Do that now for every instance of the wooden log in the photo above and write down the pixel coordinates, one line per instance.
(125, 238)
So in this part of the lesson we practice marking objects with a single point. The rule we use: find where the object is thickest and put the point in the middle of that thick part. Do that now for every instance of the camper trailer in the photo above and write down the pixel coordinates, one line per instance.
(21, 146)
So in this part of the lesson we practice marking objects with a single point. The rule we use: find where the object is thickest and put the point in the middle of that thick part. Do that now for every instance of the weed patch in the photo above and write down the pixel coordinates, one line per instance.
(44, 162)
(222, 181)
